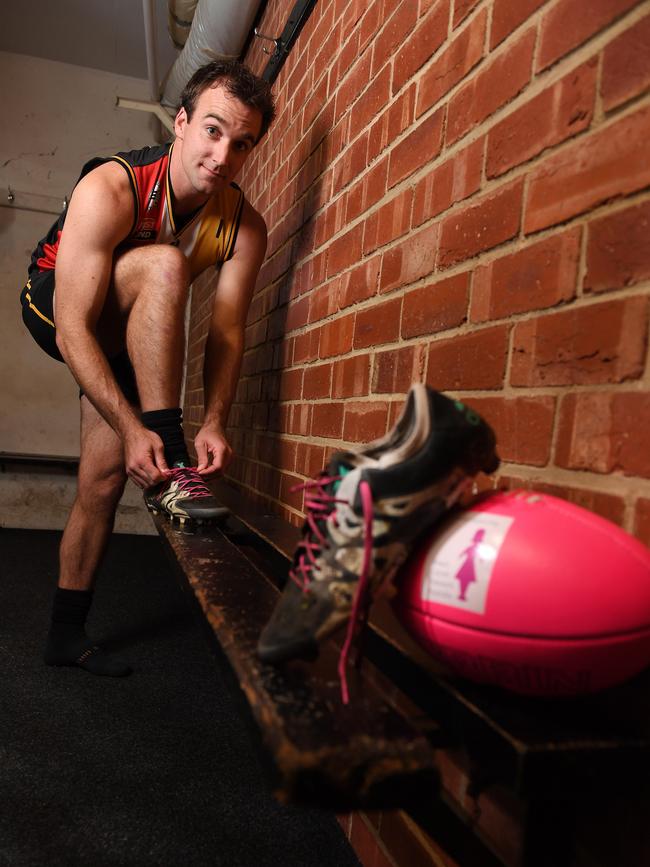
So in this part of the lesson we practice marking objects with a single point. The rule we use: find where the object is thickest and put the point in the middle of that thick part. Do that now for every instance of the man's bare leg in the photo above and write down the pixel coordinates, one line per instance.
(145, 312)
(100, 486)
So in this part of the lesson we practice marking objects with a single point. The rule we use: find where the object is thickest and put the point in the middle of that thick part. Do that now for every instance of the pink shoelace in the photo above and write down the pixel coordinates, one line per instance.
(319, 506)
(190, 482)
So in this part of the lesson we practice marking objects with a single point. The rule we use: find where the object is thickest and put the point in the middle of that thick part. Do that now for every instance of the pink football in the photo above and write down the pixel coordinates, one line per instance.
(531, 593)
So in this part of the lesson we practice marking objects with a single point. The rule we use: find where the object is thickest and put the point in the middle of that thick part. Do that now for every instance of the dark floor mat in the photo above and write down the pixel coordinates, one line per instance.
(155, 769)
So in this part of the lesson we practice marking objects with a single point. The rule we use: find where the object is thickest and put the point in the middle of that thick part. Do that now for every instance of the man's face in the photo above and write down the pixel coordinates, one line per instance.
(217, 140)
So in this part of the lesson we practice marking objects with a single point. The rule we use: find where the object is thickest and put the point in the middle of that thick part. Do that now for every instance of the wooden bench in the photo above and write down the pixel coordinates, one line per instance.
(373, 752)
(410, 725)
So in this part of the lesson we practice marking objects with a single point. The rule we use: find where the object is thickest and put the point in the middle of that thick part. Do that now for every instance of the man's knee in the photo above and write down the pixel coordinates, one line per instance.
(101, 491)
(170, 265)
(159, 272)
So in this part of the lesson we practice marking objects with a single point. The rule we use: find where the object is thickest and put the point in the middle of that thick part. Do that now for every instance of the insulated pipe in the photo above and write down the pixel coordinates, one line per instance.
(180, 14)
(150, 42)
(219, 31)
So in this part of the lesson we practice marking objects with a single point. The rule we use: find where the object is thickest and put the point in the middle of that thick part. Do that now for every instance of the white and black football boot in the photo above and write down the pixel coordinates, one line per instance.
(185, 497)
(364, 513)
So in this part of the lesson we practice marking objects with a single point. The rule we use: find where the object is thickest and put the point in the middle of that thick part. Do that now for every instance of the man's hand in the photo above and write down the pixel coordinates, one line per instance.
(144, 457)
(212, 450)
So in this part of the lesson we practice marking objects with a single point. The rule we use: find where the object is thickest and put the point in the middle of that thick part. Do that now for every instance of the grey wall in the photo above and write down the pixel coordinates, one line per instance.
(56, 116)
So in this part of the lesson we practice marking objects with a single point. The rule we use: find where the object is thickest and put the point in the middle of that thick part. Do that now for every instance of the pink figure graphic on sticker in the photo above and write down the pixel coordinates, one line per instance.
(466, 575)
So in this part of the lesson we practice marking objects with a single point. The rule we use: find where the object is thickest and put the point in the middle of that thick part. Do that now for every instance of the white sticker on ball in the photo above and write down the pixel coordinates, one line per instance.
(459, 565)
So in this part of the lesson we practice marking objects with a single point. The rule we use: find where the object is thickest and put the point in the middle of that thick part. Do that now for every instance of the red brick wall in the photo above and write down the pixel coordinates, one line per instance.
(457, 191)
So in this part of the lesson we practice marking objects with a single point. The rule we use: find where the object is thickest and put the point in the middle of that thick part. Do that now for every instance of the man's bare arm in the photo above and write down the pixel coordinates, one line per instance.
(225, 342)
(99, 218)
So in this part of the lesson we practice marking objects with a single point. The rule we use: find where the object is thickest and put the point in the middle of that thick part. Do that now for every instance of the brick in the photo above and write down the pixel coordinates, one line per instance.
(490, 88)
(291, 493)
(351, 377)
(336, 336)
(421, 146)
(348, 90)
(365, 421)
(256, 334)
(484, 224)
(317, 381)
(306, 346)
(396, 369)
(611, 162)
(523, 426)
(468, 361)
(327, 420)
(551, 117)
(462, 8)
(568, 24)
(367, 191)
(421, 45)
(605, 433)
(454, 180)
(315, 105)
(370, 25)
(378, 324)
(462, 55)
(436, 307)
(392, 123)
(309, 459)
(618, 250)
(410, 260)
(642, 520)
(393, 33)
(371, 102)
(345, 251)
(359, 283)
(330, 221)
(352, 163)
(297, 314)
(291, 384)
(626, 65)
(282, 453)
(598, 343)
(507, 16)
(324, 301)
(534, 278)
(390, 222)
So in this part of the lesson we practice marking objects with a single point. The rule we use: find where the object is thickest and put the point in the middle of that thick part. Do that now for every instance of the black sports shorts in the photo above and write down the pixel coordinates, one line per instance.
(37, 299)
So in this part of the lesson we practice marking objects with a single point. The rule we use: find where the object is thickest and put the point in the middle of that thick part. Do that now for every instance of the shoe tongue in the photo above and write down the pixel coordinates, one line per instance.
(179, 465)
(339, 466)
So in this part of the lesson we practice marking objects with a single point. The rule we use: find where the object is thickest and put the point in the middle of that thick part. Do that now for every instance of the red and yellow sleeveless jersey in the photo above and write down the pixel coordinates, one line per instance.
(207, 238)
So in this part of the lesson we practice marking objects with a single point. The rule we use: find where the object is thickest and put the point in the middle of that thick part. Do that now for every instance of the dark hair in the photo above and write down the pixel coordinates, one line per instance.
(238, 81)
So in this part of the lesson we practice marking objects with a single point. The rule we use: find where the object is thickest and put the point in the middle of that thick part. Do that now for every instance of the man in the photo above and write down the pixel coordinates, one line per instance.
(107, 294)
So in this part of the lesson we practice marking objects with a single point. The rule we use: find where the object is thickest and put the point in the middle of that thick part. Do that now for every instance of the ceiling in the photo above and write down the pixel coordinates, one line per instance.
(102, 34)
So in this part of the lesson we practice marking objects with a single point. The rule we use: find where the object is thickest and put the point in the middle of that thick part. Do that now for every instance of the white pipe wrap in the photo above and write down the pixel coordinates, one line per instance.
(180, 14)
(219, 30)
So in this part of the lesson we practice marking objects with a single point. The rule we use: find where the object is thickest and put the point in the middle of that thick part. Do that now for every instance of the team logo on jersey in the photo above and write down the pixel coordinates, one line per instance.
(154, 197)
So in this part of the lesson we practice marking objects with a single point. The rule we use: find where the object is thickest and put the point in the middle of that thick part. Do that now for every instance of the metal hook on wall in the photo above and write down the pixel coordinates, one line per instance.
(10, 195)
(276, 42)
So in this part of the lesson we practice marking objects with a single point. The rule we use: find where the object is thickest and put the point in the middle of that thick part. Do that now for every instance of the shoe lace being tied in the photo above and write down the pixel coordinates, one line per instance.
(190, 482)
(319, 506)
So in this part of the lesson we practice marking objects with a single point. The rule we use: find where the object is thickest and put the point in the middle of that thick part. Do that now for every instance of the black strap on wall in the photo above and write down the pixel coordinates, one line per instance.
(301, 11)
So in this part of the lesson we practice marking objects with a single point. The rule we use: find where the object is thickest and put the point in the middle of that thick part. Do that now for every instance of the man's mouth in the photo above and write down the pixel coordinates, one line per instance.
(214, 174)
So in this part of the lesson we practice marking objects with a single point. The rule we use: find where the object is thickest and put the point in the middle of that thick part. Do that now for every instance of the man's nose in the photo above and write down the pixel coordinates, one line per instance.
(221, 152)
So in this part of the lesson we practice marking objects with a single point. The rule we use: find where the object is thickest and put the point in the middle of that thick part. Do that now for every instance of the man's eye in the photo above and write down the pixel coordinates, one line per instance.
(211, 130)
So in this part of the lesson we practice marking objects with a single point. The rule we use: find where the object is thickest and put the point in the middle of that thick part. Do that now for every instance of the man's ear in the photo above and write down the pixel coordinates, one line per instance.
(180, 122)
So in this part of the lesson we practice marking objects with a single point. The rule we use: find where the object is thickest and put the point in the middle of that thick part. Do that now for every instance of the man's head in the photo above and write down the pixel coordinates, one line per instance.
(238, 81)
(225, 111)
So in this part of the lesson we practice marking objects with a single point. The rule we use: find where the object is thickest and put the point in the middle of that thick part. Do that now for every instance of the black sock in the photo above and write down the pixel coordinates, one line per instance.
(67, 642)
(168, 424)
